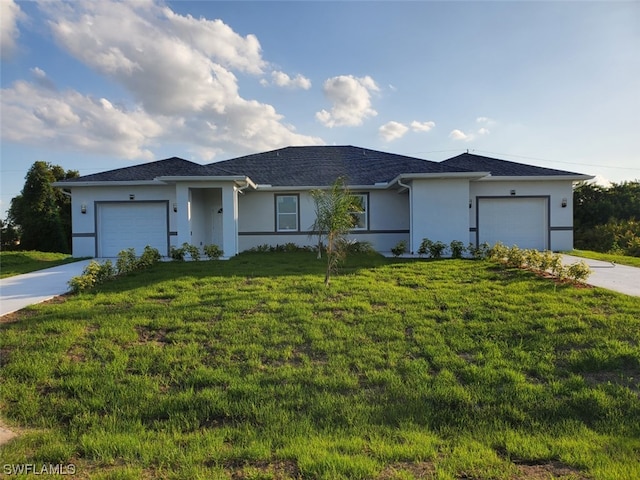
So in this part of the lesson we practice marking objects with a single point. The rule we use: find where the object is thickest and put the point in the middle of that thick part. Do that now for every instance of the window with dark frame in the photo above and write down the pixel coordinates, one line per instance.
(287, 213)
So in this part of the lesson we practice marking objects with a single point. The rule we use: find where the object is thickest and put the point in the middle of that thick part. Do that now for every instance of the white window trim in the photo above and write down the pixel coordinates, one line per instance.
(365, 212)
(297, 213)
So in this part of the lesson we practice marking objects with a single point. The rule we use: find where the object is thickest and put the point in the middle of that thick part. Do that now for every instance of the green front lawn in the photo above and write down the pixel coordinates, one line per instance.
(19, 262)
(401, 369)
(607, 257)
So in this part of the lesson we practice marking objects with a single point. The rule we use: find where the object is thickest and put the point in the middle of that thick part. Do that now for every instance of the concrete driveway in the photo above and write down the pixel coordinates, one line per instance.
(35, 287)
(611, 276)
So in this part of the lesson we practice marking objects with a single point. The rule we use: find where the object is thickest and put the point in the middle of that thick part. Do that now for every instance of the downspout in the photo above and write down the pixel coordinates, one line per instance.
(408, 187)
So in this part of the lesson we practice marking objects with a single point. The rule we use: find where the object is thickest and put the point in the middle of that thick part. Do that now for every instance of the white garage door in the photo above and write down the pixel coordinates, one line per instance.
(131, 225)
(517, 221)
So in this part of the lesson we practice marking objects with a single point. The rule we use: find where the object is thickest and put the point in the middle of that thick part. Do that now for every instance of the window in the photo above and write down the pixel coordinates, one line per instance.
(286, 213)
(360, 219)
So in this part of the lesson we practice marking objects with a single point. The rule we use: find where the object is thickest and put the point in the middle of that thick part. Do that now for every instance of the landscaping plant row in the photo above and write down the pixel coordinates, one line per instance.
(545, 262)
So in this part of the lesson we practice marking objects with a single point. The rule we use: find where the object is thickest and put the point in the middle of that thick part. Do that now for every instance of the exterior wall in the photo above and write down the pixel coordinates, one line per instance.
(388, 220)
(440, 210)
(560, 218)
(84, 224)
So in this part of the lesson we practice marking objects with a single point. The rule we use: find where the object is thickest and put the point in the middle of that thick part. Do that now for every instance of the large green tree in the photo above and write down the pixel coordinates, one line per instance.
(42, 212)
(608, 218)
(335, 210)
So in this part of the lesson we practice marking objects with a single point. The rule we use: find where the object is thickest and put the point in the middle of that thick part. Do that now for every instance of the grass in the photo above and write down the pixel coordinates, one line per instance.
(608, 257)
(19, 262)
(251, 368)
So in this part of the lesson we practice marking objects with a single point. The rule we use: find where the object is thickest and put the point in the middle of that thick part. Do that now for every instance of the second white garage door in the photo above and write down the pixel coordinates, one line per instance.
(122, 225)
(521, 221)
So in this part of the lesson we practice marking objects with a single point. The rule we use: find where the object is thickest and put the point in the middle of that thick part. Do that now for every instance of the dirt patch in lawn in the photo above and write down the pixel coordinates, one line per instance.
(6, 435)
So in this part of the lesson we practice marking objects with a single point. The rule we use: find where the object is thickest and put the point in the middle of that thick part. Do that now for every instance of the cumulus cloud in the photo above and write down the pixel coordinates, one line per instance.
(422, 126)
(460, 135)
(485, 123)
(10, 15)
(41, 116)
(392, 131)
(351, 100)
(281, 79)
(178, 70)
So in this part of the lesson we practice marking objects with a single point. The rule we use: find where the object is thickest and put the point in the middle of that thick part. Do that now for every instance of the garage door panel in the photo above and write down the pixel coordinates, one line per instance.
(514, 221)
(131, 225)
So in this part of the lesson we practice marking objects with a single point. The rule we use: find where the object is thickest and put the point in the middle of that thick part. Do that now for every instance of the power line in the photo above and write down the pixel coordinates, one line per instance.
(557, 161)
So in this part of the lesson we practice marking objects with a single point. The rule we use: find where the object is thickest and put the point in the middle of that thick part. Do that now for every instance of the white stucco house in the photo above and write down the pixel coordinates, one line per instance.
(265, 198)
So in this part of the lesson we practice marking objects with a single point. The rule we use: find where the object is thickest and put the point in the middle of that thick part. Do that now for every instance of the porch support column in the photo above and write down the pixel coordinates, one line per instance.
(229, 220)
(184, 216)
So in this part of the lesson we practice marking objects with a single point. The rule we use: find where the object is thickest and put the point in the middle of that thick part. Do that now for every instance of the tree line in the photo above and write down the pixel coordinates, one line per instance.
(607, 219)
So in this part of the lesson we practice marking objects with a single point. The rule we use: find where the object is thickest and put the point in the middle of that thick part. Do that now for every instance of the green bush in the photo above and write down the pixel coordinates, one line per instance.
(93, 274)
(425, 247)
(437, 249)
(579, 271)
(399, 249)
(457, 249)
(149, 257)
(515, 257)
(177, 253)
(127, 261)
(479, 252)
(214, 252)
(355, 247)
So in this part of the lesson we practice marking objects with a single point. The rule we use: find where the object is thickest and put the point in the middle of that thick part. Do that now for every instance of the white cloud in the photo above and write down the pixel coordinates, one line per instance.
(70, 120)
(484, 131)
(351, 100)
(460, 135)
(422, 126)
(178, 70)
(10, 15)
(281, 79)
(485, 120)
(392, 131)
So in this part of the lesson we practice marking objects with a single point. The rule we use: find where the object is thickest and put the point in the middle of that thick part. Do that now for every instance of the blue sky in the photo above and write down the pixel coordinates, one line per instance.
(92, 86)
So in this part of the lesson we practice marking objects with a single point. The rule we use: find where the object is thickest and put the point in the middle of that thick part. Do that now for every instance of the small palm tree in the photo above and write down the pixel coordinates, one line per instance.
(335, 215)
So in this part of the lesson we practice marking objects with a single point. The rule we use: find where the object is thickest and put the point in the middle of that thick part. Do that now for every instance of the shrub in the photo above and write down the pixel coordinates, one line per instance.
(515, 257)
(93, 274)
(177, 253)
(479, 252)
(457, 249)
(149, 257)
(425, 246)
(355, 247)
(399, 249)
(214, 252)
(579, 271)
(498, 252)
(437, 249)
(126, 262)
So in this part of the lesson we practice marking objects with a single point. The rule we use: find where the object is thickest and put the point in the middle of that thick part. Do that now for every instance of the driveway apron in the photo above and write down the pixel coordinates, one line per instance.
(611, 276)
(21, 291)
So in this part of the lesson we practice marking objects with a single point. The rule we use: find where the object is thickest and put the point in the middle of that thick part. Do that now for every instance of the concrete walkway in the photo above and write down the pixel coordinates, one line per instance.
(611, 276)
(23, 290)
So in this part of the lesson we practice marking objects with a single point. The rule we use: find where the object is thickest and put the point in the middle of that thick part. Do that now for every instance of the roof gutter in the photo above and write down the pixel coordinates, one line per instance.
(532, 178)
(440, 175)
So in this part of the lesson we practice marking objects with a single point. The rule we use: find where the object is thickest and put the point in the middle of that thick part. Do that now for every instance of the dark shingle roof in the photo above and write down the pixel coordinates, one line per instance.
(146, 171)
(317, 166)
(500, 168)
(321, 165)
